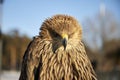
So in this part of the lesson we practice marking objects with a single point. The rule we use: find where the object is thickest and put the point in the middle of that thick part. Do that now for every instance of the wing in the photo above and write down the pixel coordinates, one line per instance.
(31, 60)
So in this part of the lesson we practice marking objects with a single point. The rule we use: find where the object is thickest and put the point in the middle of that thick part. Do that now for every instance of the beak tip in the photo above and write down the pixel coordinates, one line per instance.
(64, 48)
(64, 43)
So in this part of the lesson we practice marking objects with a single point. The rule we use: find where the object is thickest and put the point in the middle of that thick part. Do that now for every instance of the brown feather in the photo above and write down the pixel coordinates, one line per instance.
(45, 58)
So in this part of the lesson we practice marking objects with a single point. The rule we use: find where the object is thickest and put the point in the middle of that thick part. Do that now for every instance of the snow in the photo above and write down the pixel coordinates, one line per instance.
(9, 75)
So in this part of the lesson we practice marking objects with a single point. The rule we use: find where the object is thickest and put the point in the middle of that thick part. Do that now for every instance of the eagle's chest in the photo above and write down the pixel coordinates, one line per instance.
(59, 66)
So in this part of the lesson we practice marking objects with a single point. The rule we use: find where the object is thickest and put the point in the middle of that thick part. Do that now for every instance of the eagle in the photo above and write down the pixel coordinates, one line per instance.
(57, 53)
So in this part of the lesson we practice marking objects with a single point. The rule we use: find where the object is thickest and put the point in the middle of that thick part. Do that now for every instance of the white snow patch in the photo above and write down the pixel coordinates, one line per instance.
(9, 75)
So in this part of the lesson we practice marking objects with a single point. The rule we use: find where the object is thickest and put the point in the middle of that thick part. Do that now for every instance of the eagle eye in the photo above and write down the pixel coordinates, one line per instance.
(56, 34)
(70, 35)
(53, 34)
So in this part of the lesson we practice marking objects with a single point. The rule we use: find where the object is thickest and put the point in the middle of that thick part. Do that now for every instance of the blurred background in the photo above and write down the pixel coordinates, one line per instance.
(20, 21)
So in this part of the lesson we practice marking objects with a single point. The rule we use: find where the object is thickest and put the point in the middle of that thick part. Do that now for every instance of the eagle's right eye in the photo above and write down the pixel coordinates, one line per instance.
(56, 34)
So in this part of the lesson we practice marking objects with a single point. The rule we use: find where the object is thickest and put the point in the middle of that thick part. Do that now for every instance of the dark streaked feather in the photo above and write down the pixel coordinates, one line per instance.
(45, 58)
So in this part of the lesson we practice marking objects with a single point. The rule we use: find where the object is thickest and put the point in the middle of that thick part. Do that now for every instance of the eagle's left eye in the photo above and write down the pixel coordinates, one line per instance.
(70, 35)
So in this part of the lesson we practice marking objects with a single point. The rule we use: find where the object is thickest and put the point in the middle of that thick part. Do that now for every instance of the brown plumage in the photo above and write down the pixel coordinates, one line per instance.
(57, 53)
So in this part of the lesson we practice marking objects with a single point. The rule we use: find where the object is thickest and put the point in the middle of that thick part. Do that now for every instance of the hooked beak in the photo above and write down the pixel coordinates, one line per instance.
(64, 41)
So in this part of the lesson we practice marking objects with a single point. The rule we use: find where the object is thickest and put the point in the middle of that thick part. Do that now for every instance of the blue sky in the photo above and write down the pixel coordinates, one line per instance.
(28, 15)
